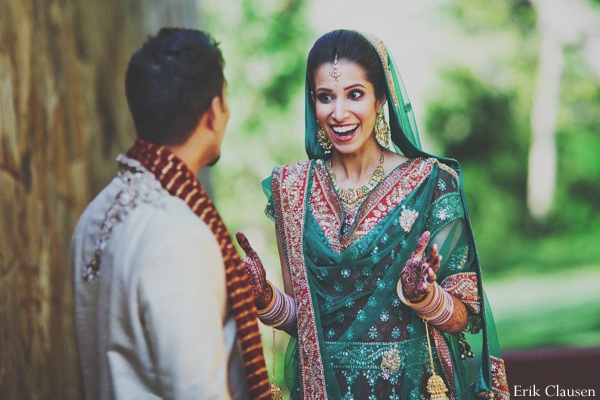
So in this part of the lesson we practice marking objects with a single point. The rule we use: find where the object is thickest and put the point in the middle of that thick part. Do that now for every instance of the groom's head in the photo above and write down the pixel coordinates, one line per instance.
(172, 81)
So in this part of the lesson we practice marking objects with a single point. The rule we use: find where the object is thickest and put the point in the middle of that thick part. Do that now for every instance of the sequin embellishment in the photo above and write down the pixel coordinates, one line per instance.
(408, 218)
(138, 186)
(390, 363)
(500, 384)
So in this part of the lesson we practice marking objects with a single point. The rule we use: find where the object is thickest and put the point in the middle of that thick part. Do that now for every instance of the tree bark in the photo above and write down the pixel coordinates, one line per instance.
(63, 120)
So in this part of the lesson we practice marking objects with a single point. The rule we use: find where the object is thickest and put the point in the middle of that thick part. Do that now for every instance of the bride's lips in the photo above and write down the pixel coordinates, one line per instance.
(343, 133)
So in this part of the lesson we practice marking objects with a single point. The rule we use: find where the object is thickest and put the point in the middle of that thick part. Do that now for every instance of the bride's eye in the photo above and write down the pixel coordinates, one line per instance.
(324, 97)
(355, 94)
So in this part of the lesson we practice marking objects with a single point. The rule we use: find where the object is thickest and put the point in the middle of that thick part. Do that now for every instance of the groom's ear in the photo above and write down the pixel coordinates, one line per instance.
(211, 115)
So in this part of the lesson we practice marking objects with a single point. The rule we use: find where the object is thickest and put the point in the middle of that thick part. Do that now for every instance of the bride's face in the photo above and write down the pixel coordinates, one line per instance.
(346, 110)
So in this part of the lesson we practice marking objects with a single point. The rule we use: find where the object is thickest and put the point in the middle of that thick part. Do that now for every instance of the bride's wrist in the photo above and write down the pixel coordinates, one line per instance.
(265, 299)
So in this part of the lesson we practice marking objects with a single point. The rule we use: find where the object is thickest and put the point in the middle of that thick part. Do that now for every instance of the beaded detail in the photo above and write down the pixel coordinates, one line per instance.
(408, 218)
(138, 186)
(464, 286)
(376, 364)
(499, 381)
(373, 360)
(390, 363)
(458, 258)
(450, 171)
(383, 56)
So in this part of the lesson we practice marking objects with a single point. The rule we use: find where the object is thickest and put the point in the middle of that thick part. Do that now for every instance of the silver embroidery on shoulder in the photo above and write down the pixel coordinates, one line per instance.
(138, 186)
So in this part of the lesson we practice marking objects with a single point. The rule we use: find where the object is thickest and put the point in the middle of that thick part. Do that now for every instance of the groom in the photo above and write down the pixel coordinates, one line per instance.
(163, 306)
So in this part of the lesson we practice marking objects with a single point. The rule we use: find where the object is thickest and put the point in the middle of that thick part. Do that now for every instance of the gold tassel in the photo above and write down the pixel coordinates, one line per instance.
(435, 385)
(275, 389)
(436, 388)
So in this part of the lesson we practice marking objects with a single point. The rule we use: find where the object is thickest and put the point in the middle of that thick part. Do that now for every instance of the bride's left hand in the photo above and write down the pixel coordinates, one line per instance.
(420, 272)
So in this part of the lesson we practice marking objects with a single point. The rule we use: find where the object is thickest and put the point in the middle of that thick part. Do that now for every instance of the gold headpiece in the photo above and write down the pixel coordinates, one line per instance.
(335, 72)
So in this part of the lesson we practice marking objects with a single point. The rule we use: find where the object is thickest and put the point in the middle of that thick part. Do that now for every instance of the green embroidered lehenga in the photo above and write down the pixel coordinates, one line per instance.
(355, 338)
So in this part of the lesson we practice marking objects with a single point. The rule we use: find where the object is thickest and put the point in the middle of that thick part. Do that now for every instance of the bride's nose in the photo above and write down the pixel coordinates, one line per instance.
(340, 111)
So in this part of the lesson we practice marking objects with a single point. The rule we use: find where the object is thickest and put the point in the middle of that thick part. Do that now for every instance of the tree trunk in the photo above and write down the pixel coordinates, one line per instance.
(63, 120)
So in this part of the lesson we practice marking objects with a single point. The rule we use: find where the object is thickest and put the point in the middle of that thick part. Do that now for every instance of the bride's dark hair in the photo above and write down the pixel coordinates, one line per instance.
(350, 46)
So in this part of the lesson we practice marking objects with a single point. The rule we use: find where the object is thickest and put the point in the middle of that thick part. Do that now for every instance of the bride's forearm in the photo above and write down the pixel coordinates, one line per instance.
(458, 321)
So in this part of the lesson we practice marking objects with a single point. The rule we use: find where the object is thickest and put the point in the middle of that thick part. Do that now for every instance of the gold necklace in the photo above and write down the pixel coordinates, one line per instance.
(352, 197)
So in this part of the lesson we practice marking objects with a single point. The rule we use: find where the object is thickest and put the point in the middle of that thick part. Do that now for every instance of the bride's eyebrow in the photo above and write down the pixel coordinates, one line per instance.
(354, 86)
(324, 89)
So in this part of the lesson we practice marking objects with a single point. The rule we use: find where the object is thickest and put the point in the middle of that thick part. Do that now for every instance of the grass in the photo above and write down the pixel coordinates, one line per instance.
(557, 309)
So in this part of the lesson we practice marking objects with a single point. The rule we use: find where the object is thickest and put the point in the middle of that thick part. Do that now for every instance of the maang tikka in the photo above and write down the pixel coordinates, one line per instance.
(335, 72)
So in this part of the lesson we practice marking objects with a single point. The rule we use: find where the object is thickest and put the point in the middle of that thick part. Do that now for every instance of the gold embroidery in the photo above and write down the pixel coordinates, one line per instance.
(449, 170)
(327, 210)
(383, 55)
(290, 186)
(464, 286)
(500, 388)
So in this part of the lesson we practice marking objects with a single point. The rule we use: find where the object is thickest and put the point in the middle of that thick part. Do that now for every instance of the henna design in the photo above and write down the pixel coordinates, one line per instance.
(419, 272)
(459, 319)
(256, 272)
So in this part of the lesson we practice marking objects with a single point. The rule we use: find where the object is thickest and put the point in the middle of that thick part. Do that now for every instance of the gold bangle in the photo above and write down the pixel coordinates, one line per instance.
(408, 303)
(272, 298)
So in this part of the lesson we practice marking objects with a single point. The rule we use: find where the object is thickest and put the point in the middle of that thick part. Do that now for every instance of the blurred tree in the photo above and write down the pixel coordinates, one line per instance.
(63, 120)
(561, 23)
(474, 123)
(265, 44)
(482, 115)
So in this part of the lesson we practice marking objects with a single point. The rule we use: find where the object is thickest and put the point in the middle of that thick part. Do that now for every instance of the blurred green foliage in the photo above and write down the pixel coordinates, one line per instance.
(578, 141)
(265, 45)
(482, 117)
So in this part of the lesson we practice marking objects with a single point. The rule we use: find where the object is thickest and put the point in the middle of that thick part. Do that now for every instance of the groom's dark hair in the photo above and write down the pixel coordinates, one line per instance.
(170, 83)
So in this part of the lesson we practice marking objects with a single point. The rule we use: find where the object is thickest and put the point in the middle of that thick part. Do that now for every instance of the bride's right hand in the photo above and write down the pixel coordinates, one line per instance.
(256, 272)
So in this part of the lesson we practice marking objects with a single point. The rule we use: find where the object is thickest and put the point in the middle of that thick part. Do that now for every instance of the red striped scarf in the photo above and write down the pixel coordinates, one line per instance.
(179, 181)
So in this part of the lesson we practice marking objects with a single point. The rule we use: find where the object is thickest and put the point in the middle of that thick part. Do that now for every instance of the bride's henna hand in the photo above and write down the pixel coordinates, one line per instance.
(256, 272)
(418, 272)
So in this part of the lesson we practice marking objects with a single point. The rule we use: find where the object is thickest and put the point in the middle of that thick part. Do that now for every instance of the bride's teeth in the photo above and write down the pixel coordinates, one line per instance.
(344, 129)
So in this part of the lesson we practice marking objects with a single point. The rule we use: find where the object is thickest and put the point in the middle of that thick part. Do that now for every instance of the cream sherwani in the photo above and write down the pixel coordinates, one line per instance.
(154, 323)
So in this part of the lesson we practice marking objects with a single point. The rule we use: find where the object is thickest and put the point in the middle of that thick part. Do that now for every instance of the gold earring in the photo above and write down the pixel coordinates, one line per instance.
(324, 140)
(382, 131)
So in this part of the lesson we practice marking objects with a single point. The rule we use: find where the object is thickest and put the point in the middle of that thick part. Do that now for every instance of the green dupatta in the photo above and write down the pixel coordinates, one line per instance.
(348, 311)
